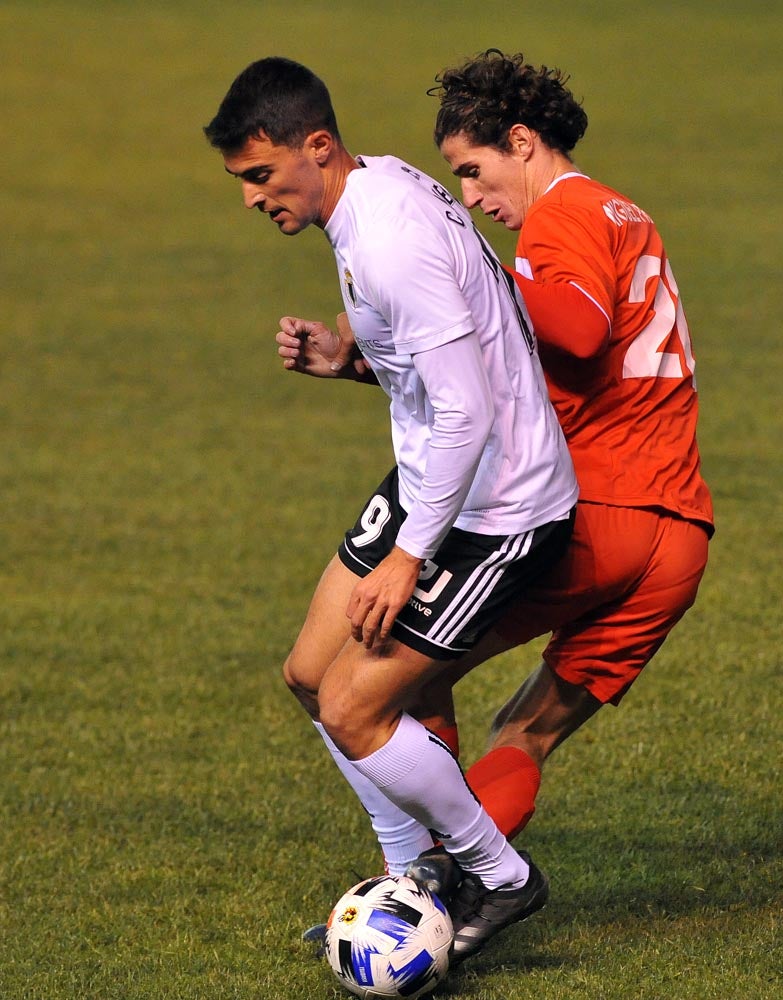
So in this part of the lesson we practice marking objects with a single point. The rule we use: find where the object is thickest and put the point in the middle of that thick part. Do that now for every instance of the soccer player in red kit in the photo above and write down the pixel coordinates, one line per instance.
(617, 356)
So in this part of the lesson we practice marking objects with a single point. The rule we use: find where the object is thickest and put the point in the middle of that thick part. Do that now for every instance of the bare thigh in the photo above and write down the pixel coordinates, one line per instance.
(433, 705)
(357, 693)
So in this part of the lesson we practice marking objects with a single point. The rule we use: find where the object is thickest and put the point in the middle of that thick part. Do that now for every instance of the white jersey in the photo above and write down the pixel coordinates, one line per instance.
(477, 443)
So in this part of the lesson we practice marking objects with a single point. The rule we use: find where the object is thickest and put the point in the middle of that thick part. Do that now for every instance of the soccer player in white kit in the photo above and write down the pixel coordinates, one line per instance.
(478, 504)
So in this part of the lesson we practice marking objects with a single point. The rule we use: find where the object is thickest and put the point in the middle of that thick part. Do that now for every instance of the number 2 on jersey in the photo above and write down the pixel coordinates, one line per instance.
(644, 359)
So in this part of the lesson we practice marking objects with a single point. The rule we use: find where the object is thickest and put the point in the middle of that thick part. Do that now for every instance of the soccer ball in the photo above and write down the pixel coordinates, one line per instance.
(389, 937)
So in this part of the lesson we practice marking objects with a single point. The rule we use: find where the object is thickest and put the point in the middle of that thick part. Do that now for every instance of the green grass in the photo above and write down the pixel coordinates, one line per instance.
(168, 822)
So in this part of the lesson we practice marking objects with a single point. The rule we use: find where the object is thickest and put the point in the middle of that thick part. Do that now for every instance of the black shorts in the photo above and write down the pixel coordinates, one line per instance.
(468, 583)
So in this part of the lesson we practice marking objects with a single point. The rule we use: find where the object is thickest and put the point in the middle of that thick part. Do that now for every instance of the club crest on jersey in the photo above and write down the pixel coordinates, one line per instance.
(349, 287)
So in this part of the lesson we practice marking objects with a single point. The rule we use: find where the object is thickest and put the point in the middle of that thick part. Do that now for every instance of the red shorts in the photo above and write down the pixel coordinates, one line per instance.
(628, 577)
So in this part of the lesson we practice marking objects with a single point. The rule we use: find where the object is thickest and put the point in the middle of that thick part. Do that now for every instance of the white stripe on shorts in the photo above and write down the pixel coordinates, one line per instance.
(478, 586)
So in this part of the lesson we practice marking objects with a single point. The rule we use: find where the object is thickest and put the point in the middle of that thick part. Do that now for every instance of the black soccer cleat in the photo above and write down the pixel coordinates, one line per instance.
(437, 871)
(316, 936)
(478, 913)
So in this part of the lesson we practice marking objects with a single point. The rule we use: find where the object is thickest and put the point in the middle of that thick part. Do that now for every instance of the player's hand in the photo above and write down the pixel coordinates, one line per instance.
(379, 597)
(311, 347)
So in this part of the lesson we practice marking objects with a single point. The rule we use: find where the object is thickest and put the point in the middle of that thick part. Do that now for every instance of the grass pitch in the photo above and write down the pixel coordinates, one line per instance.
(168, 822)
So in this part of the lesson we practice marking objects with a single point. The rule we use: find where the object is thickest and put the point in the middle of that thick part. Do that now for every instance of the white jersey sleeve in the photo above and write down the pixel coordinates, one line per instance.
(458, 388)
(408, 272)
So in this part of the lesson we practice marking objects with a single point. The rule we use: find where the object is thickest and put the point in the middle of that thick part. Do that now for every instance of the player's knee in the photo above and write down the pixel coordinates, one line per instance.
(336, 719)
(350, 724)
(300, 686)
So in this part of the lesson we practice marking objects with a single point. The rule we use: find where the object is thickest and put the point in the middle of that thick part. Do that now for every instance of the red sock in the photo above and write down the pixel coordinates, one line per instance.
(506, 782)
(450, 736)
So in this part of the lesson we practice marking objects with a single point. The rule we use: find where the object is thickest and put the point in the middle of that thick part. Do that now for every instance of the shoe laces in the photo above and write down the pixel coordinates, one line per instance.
(469, 896)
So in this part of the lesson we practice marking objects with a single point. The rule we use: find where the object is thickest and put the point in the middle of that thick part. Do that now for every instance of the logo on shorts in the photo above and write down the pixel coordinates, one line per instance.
(418, 606)
(435, 580)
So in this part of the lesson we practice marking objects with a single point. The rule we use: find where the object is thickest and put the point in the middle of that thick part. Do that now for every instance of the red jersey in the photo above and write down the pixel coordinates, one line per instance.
(629, 411)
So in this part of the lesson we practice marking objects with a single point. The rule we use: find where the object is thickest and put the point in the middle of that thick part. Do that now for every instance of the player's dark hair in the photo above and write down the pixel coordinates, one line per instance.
(276, 96)
(488, 94)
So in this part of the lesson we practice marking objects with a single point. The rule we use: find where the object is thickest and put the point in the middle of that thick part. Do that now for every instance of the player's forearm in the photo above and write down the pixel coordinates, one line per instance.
(447, 482)
(357, 370)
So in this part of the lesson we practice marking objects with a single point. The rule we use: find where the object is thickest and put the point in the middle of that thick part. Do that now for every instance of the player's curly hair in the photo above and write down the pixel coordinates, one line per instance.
(489, 93)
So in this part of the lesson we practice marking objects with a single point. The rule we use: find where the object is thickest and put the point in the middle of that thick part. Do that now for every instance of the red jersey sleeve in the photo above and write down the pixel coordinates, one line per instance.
(564, 317)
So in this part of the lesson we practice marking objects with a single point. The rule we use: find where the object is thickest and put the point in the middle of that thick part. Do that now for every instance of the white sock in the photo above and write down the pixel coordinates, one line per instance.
(401, 837)
(417, 771)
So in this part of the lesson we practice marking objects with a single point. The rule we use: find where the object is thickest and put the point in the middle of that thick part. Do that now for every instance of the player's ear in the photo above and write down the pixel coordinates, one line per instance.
(321, 143)
(521, 139)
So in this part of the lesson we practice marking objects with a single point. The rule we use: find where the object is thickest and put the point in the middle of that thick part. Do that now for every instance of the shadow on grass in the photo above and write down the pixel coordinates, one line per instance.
(724, 855)
(469, 978)
(715, 852)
